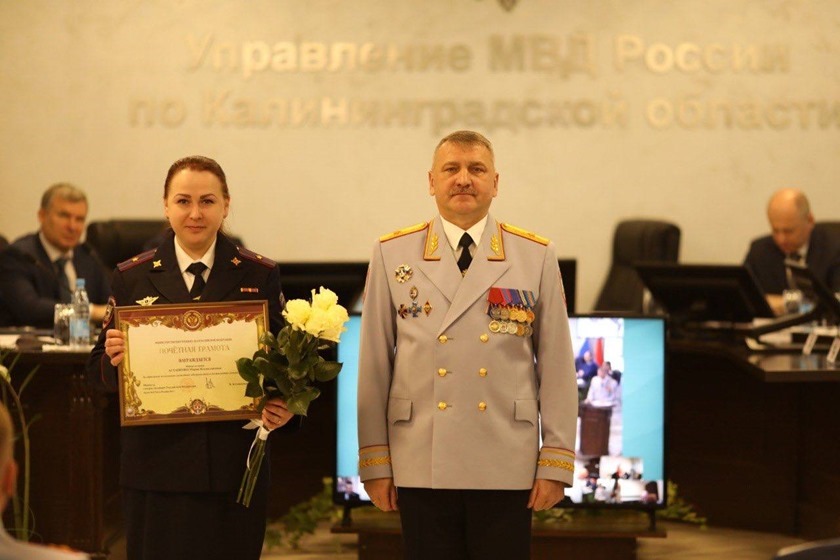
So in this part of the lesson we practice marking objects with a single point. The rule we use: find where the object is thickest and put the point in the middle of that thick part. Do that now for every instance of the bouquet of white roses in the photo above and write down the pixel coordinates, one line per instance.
(290, 366)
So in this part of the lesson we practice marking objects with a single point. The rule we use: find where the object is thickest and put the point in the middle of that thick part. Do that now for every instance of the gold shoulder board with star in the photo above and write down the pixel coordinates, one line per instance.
(526, 234)
(257, 258)
(405, 231)
(135, 260)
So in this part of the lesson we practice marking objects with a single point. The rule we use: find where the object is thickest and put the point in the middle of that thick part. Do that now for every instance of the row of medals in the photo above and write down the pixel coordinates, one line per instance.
(511, 319)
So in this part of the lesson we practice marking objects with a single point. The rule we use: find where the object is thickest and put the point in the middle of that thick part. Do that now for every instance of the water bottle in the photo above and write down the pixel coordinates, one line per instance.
(80, 321)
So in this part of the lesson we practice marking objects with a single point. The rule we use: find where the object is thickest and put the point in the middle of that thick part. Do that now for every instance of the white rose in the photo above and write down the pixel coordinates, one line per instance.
(297, 313)
(324, 299)
(336, 317)
(318, 321)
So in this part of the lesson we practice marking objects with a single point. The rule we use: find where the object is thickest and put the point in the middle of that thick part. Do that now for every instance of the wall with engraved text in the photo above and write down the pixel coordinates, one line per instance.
(324, 113)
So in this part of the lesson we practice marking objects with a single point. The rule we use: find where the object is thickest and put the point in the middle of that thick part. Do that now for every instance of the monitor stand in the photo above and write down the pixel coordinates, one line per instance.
(784, 322)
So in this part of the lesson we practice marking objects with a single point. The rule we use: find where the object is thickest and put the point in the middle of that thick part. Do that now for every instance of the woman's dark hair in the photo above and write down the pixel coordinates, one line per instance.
(197, 163)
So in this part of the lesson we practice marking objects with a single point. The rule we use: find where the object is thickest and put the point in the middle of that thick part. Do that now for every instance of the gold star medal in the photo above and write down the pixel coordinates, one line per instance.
(157, 264)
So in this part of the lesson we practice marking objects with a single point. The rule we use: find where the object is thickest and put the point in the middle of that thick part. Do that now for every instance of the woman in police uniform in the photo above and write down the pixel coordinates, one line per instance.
(179, 481)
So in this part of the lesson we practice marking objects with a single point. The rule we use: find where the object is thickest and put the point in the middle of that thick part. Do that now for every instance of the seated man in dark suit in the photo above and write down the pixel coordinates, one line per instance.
(40, 269)
(793, 236)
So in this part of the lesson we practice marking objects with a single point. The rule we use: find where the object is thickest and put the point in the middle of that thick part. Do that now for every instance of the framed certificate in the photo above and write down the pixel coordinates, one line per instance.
(180, 361)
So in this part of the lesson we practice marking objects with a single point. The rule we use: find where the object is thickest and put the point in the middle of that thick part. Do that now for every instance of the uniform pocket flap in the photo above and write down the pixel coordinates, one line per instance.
(526, 411)
(399, 410)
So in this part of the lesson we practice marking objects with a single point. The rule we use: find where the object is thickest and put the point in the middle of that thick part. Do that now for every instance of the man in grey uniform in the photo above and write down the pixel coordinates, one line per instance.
(466, 360)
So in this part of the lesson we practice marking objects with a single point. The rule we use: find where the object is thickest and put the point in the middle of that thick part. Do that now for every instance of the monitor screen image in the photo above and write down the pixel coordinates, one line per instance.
(620, 450)
(701, 292)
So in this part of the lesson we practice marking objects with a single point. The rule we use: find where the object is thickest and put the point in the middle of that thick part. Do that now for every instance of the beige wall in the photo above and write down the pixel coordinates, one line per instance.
(324, 113)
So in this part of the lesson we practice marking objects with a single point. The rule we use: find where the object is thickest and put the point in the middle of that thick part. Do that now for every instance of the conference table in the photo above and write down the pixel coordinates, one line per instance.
(754, 436)
(73, 479)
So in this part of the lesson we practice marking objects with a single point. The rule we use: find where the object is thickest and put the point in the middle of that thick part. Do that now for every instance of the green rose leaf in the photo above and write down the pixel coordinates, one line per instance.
(254, 390)
(299, 403)
(247, 370)
(327, 371)
(297, 371)
(268, 339)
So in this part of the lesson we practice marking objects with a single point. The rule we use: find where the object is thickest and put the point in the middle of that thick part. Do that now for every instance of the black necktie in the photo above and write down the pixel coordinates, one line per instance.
(196, 269)
(64, 293)
(465, 259)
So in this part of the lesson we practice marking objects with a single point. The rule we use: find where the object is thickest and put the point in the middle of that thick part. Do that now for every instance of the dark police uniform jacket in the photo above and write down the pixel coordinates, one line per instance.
(29, 282)
(196, 457)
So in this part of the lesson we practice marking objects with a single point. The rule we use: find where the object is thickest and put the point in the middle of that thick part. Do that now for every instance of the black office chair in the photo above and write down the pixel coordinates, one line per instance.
(635, 241)
(830, 226)
(118, 240)
(817, 550)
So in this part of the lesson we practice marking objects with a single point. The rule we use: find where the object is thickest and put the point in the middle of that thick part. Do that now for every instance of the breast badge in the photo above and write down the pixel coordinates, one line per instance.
(403, 273)
(414, 309)
(148, 300)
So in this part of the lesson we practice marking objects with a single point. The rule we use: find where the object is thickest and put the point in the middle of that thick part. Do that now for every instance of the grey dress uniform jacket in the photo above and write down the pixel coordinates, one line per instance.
(444, 401)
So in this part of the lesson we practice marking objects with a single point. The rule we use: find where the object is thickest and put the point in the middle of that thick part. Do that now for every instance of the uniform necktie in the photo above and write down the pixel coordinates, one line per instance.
(196, 269)
(465, 259)
(64, 293)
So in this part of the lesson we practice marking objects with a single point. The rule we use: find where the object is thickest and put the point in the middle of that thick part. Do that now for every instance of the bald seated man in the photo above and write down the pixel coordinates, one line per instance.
(795, 236)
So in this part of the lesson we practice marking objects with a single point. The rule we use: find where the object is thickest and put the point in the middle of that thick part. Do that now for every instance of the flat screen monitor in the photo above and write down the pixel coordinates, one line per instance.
(816, 291)
(620, 450)
(699, 292)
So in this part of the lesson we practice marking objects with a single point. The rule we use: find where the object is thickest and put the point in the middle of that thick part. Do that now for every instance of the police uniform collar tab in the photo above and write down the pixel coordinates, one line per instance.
(405, 231)
(135, 260)
(525, 234)
(432, 244)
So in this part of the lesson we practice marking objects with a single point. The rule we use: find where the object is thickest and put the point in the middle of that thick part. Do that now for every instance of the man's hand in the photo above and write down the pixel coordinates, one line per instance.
(545, 494)
(382, 493)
